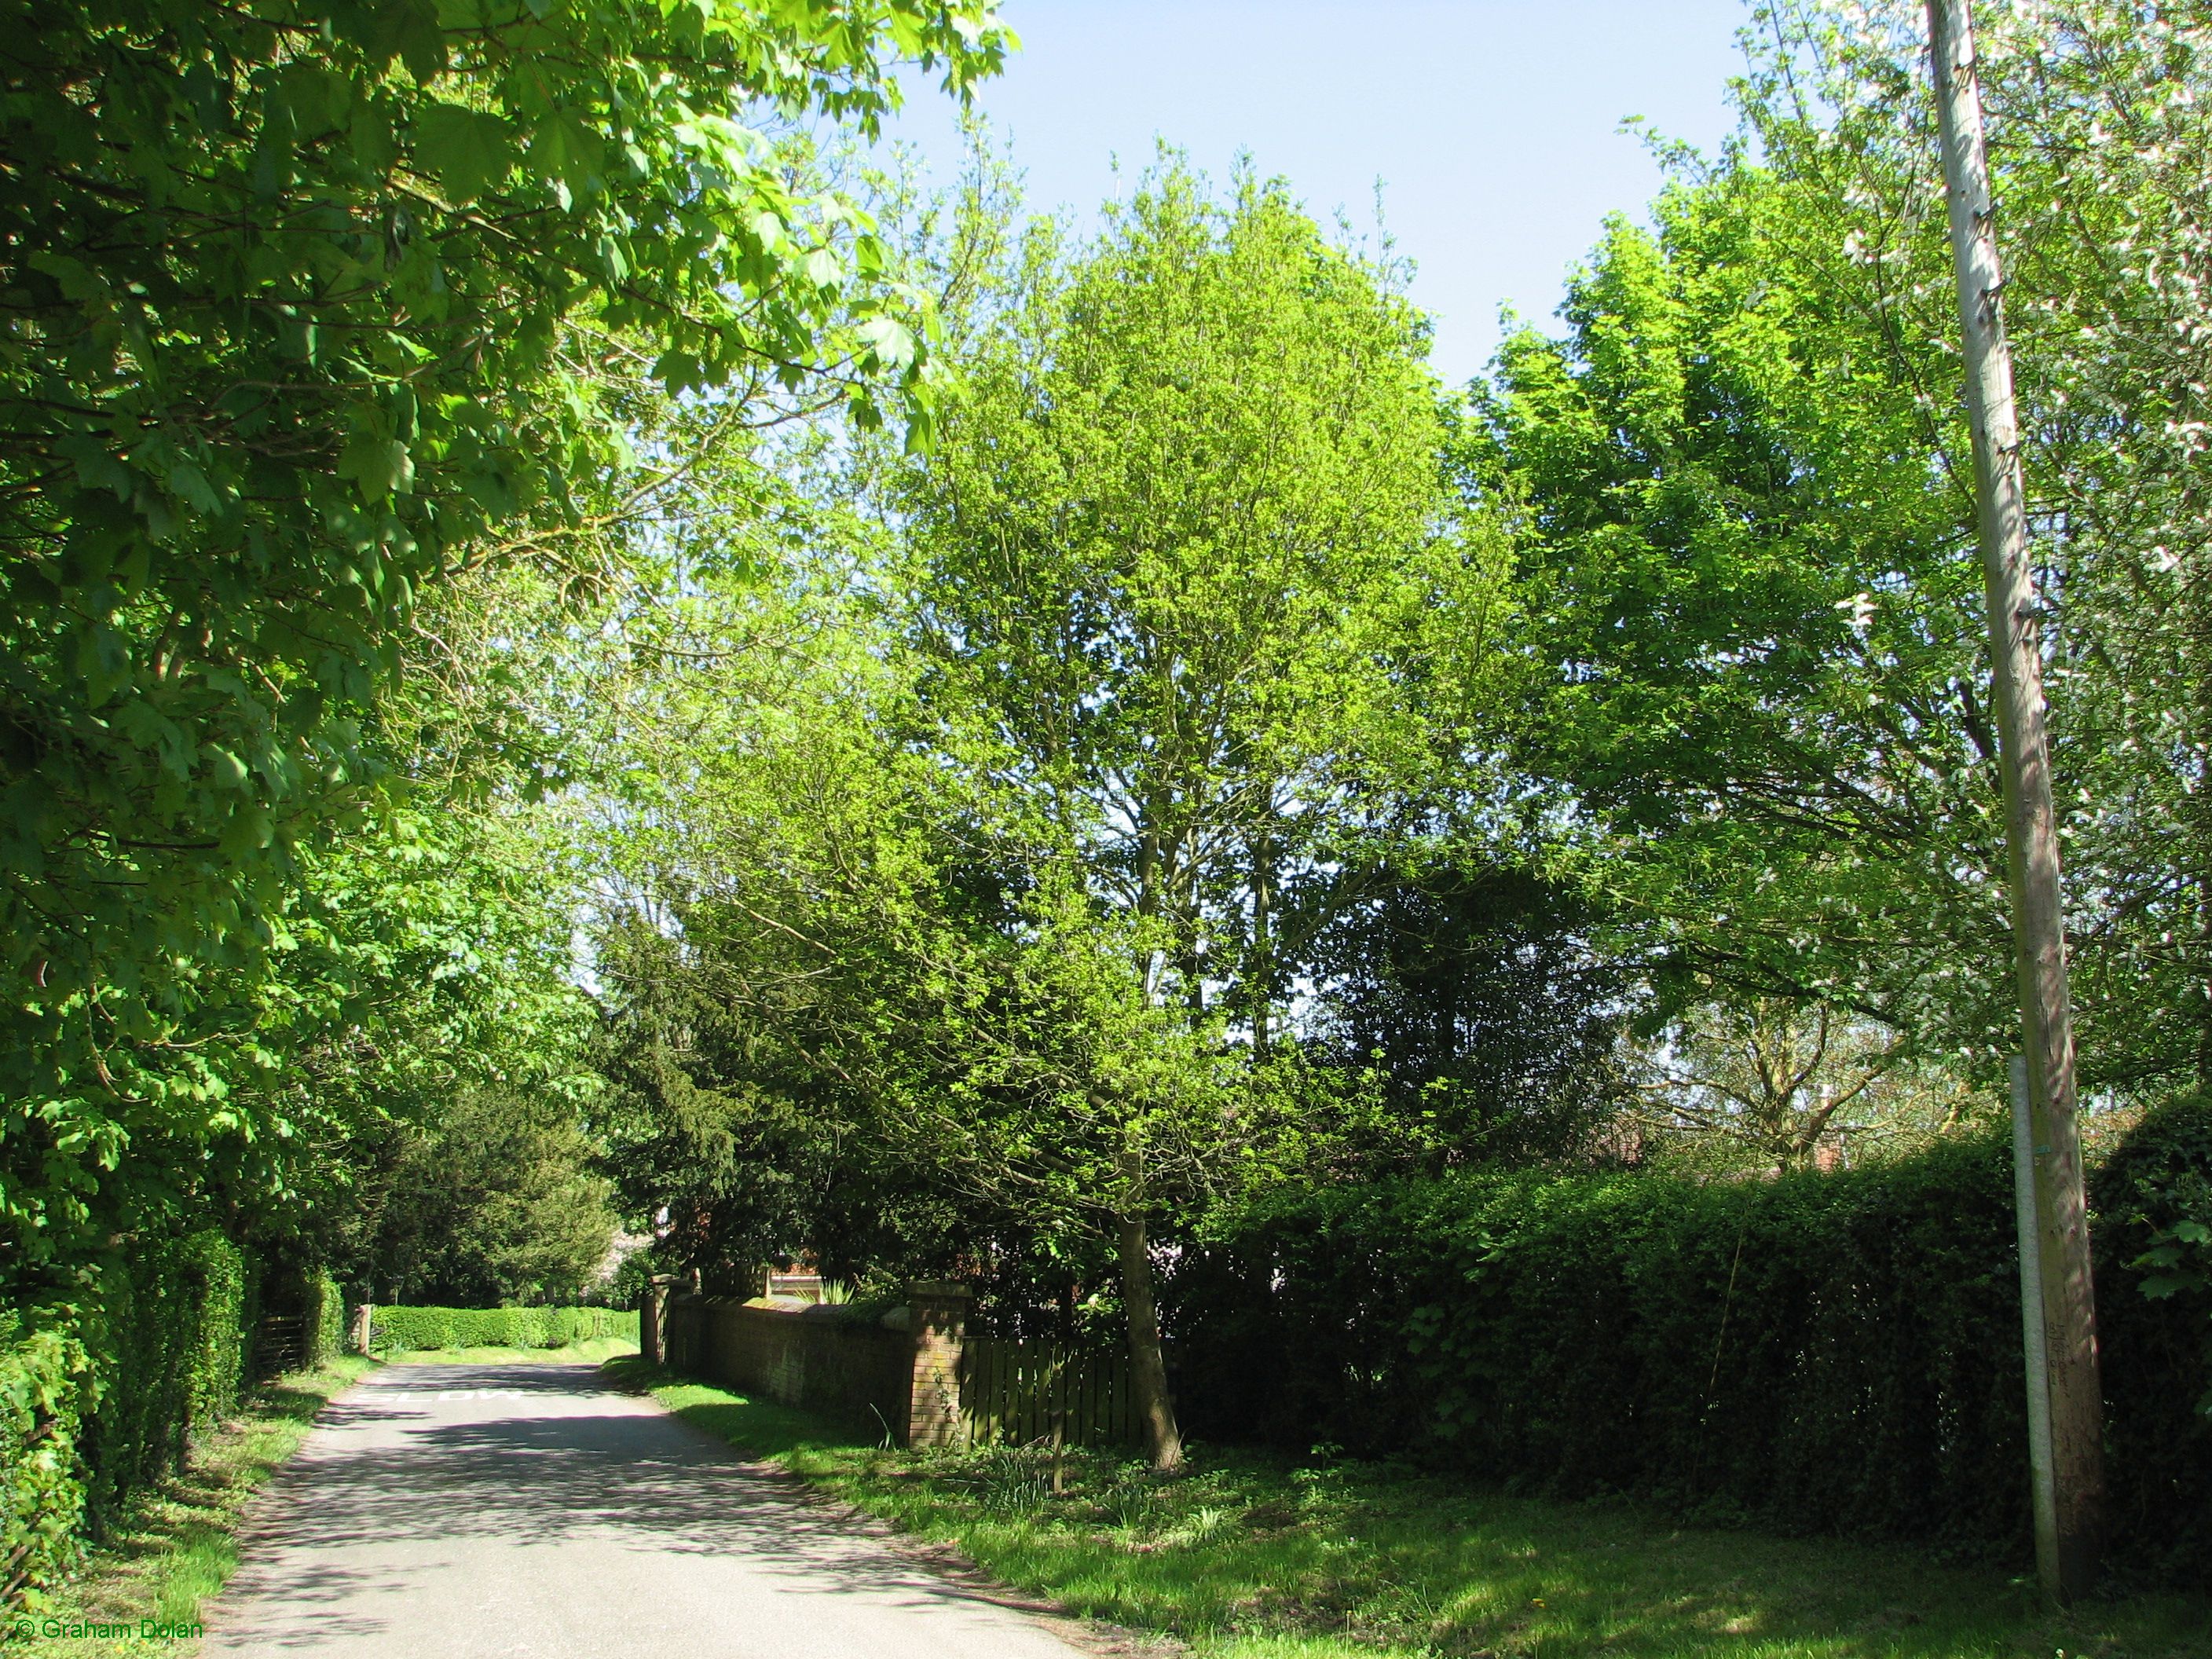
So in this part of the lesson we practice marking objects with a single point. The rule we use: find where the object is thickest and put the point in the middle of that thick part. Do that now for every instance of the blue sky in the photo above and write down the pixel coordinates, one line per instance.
(1493, 123)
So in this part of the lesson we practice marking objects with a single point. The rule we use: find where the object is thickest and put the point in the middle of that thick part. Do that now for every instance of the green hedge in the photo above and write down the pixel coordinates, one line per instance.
(404, 1330)
(174, 1331)
(326, 1320)
(2157, 1354)
(46, 1385)
(1823, 1353)
(102, 1397)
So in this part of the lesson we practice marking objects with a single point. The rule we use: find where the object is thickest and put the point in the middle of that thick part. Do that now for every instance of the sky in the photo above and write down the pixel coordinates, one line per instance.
(1495, 126)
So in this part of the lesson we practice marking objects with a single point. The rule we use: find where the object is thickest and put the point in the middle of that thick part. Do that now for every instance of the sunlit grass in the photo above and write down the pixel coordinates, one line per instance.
(1252, 1557)
(177, 1544)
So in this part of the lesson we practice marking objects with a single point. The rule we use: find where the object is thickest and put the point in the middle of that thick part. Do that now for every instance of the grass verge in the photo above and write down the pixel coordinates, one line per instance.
(594, 1350)
(177, 1542)
(1253, 1557)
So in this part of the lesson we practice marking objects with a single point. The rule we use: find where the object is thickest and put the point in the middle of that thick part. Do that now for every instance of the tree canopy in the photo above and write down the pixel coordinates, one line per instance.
(578, 650)
(311, 307)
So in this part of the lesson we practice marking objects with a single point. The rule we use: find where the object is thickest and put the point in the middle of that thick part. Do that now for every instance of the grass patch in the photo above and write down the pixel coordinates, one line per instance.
(593, 1351)
(176, 1543)
(1254, 1557)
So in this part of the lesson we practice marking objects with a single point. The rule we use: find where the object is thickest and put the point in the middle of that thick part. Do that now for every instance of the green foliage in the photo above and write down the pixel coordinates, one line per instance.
(314, 305)
(2180, 1262)
(1185, 575)
(1739, 491)
(696, 1124)
(2157, 1363)
(2094, 235)
(2171, 1254)
(1255, 1555)
(1830, 1353)
(971, 899)
(1758, 632)
(1491, 1022)
(104, 1395)
(170, 1332)
(176, 1545)
(326, 1328)
(46, 1386)
(415, 1330)
(495, 1201)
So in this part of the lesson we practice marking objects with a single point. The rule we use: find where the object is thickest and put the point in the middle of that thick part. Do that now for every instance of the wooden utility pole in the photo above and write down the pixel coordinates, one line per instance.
(2043, 1492)
(2067, 1557)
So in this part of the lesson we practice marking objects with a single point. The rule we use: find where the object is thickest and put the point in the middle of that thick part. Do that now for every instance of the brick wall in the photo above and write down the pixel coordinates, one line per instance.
(903, 1371)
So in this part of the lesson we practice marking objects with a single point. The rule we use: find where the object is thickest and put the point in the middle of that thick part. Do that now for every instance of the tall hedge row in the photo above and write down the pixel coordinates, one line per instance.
(46, 1385)
(1833, 1353)
(103, 1395)
(326, 1329)
(403, 1329)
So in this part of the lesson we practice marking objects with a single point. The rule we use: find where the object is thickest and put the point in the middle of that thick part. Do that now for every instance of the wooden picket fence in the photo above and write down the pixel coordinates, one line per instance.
(1018, 1393)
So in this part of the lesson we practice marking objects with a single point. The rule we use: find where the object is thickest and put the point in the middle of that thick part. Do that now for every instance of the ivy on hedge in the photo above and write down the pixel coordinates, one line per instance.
(403, 1329)
(1834, 1353)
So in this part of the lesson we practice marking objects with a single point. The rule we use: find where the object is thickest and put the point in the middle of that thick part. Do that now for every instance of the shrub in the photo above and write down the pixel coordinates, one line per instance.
(403, 1329)
(101, 1398)
(326, 1319)
(171, 1339)
(1821, 1353)
(46, 1385)
(2157, 1365)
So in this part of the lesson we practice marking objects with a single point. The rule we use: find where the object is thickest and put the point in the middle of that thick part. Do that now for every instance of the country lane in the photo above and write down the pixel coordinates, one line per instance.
(479, 1511)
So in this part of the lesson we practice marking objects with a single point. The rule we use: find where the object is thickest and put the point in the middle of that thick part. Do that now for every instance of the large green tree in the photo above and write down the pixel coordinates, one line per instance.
(496, 1203)
(972, 838)
(1743, 495)
(1740, 493)
(1744, 573)
(1187, 586)
(310, 305)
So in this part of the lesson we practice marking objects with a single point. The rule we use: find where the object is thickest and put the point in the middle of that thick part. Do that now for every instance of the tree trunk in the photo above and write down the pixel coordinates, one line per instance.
(2203, 815)
(2068, 1568)
(1148, 1369)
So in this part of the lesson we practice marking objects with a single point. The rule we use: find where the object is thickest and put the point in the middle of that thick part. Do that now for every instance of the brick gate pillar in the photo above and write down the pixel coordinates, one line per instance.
(937, 1324)
(650, 1346)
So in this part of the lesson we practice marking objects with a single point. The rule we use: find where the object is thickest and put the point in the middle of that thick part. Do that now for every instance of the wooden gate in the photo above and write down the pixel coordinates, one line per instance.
(1020, 1392)
(280, 1345)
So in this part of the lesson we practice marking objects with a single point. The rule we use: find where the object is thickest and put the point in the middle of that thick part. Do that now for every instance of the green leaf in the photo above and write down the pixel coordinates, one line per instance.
(380, 465)
(679, 371)
(421, 42)
(566, 151)
(889, 341)
(250, 830)
(224, 768)
(466, 150)
(104, 662)
(189, 482)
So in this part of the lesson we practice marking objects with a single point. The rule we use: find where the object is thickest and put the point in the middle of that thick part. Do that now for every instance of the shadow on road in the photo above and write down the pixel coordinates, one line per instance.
(541, 1455)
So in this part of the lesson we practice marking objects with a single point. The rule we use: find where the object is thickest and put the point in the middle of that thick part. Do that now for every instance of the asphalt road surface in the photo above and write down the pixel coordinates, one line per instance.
(468, 1511)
